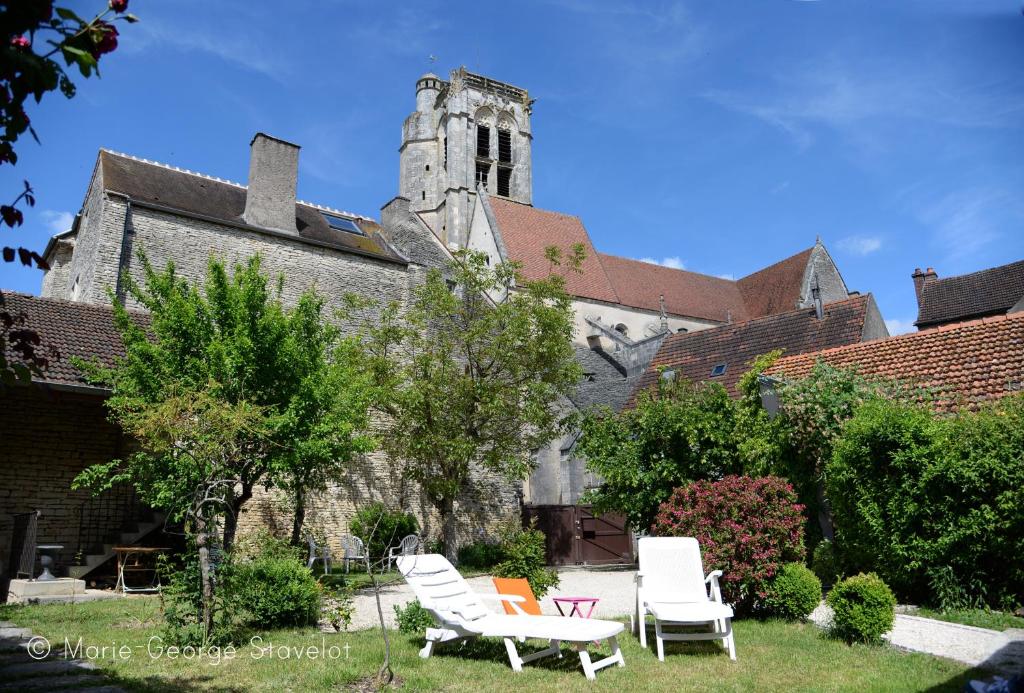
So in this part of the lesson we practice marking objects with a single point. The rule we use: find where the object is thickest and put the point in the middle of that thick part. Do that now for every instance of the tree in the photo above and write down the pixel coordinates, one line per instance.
(27, 72)
(466, 381)
(238, 344)
(681, 433)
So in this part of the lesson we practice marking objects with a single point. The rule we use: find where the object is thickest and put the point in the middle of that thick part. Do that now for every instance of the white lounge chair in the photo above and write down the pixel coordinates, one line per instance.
(459, 613)
(671, 587)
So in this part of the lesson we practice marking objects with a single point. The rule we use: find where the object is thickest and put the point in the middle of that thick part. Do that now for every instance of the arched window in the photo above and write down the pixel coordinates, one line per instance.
(622, 329)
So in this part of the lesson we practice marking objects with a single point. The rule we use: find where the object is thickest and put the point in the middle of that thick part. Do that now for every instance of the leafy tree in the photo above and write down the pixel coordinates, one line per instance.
(680, 433)
(236, 343)
(464, 380)
(32, 39)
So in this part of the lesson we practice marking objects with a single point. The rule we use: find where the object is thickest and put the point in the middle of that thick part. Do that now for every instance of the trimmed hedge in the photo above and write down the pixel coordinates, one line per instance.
(863, 608)
(747, 528)
(793, 594)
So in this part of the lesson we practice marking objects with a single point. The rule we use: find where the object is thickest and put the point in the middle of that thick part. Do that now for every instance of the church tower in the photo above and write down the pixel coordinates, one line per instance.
(468, 132)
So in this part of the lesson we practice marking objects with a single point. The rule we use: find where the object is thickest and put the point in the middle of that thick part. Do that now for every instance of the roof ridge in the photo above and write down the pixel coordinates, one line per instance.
(966, 275)
(217, 179)
(673, 269)
(952, 327)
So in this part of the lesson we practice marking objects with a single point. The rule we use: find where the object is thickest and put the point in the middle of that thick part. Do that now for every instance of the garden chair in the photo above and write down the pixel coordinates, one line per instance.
(351, 549)
(320, 553)
(459, 613)
(409, 546)
(671, 587)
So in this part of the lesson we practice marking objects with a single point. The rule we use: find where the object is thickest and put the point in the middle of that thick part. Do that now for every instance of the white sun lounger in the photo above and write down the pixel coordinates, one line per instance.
(459, 613)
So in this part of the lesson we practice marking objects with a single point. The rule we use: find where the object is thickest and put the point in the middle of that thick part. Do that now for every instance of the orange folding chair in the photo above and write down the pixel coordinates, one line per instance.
(519, 587)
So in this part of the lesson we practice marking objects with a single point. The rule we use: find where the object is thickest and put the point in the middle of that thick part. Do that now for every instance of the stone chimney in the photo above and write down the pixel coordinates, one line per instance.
(273, 170)
(920, 278)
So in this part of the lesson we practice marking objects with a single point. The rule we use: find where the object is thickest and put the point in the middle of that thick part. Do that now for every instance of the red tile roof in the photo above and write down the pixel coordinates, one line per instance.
(639, 284)
(693, 355)
(527, 231)
(966, 363)
(967, 296)
(74, 329)
(776, 288)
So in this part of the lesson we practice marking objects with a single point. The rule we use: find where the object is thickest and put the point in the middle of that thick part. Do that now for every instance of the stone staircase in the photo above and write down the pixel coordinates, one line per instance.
(28, 664)
(131, 534)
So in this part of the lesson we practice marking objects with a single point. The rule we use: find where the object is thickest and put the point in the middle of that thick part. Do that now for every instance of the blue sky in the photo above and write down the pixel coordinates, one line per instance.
(718, 135)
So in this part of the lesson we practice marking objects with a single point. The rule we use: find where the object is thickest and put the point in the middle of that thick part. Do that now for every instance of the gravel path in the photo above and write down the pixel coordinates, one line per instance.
(1001, 651)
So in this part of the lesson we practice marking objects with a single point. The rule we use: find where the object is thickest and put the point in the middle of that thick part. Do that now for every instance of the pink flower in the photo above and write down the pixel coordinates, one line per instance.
(119, 5)
(21, 42)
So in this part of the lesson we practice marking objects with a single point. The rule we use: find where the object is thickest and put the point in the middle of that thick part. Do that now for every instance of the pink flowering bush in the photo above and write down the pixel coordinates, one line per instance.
(747, 528)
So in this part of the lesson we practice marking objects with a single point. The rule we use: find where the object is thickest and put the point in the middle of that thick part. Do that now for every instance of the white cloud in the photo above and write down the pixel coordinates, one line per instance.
(897, 326)
(56, 222)
(673, 262)
(860, 245)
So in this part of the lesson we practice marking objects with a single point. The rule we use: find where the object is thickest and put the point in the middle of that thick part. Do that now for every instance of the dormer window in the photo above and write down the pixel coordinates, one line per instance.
(718, 370)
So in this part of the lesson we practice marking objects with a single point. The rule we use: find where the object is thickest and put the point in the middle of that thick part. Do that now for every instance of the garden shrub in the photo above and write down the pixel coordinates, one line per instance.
(913, 494)
(480, 555)
(273, 592)
(747, 528)
(381, 528)
(523, 557)
(825, 563)
(863, 608)
(793, 593)
(413, 618)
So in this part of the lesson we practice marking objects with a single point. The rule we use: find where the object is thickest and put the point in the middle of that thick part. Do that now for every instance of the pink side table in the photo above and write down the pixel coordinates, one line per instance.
(578, 604)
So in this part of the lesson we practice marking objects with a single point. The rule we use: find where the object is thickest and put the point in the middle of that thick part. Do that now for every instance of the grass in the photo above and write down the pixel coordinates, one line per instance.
(980, 618)
(771, 656)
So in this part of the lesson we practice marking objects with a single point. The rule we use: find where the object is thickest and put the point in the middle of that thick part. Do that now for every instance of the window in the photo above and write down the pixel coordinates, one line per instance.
(504, 180)
(446, 152)
(76, 290)
(622, 329)
(504, 146)
(428, 167)
(342, 224)
(718, 370)
(483, 170)
(483, 141)
(423, 194)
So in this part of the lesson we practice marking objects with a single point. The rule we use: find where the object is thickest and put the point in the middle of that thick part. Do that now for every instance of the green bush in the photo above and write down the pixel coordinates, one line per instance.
(793, 593)
(480, 555)
(381, 528)
(413, 618)
(913, 494)
(825, 563)
(863, 608)
(273, 592)
(523, 550)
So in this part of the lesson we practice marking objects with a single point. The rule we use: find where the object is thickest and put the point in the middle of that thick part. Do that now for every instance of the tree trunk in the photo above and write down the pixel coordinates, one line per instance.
(300, 516)
(449, 532)
(384, 675)
(231, 520)
(203, 544)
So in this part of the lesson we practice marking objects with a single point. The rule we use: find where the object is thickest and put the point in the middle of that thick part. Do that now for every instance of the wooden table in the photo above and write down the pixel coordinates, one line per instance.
(133, 559)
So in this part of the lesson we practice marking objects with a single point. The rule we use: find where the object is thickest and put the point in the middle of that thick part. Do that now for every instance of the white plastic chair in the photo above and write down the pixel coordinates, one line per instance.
(459, 613)
(409, 546)
(671, 587)
(351, 549)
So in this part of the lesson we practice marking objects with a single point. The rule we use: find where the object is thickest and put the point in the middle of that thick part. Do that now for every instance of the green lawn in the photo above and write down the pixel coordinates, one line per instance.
(771, 656)
(980, 618)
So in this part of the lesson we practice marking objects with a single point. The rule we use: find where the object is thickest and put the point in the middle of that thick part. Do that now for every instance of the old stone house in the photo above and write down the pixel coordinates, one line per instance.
(465, 172)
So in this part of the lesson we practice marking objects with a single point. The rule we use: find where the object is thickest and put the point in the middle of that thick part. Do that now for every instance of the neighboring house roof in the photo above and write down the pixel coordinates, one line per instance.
(85, 330)
(968, 296)
(693, 355)
(527, 231)
(641, 284)
(965, 363)
(776, 288)
(221, 200)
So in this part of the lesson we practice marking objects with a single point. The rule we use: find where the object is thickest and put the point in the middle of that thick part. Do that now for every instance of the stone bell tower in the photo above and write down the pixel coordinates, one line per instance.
(466, 132)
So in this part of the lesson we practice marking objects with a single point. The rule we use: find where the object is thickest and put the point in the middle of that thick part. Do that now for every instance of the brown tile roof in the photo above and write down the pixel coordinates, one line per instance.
(639, 284)
(967, 296)
(74, 329)
(775, 289)
(967, 363)
(158, 184)
(693, 355)
(527, 231)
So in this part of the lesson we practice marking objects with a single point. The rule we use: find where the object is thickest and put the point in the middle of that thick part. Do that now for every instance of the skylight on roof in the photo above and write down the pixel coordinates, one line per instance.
(342, 224)
(718, 370)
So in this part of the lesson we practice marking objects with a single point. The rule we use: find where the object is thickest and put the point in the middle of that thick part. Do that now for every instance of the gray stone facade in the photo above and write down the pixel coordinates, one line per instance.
(467, 131)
